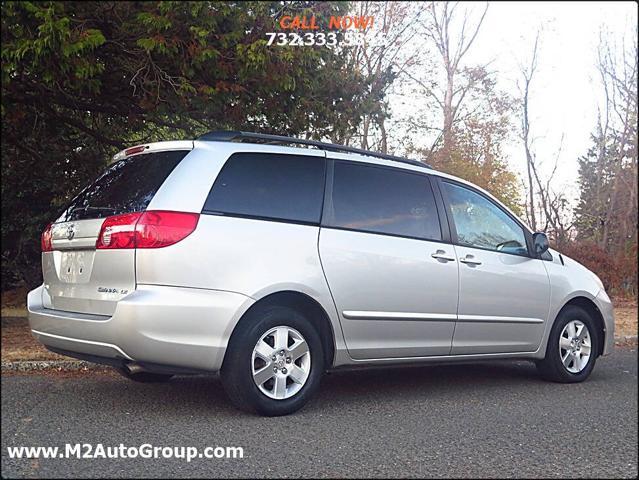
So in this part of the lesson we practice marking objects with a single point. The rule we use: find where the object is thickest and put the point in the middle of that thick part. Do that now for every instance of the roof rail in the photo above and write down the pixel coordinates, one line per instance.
(230, 136)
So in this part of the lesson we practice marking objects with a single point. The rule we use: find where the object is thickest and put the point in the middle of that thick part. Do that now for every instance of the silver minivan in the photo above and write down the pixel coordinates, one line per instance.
(271, 259)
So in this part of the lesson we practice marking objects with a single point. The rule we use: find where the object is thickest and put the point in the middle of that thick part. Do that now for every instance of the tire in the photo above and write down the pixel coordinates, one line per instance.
(242, 360)
(144, 377)
(576, 368)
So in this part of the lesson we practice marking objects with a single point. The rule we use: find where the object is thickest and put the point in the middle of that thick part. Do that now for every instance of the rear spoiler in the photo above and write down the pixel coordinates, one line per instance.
(153, 147)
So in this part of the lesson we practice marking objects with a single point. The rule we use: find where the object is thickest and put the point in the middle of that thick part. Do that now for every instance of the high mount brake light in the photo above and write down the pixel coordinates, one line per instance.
(151, 229)
(134, 150)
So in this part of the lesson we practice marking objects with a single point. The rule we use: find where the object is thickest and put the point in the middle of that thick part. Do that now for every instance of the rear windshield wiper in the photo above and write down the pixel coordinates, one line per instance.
(89, 207)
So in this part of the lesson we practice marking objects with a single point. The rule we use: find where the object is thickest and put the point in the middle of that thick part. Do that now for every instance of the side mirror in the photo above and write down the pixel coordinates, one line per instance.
(540, 243)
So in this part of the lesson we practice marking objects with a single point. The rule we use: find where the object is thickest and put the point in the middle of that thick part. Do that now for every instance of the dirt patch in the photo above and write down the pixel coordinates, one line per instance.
(625, 318)
(19, 344)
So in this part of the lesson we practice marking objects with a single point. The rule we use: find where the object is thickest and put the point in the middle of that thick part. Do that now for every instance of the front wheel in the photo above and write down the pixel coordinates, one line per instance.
(273, 362)
(572, 347)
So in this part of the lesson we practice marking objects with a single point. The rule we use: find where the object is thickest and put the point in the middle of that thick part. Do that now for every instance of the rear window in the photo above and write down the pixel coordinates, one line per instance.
(127, 186)
(272, 186)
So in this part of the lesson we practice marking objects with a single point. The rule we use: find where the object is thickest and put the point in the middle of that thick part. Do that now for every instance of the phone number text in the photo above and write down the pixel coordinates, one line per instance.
(320, 39)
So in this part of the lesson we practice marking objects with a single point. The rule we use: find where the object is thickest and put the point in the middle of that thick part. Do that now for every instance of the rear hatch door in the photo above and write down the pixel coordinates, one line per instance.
(79, 278)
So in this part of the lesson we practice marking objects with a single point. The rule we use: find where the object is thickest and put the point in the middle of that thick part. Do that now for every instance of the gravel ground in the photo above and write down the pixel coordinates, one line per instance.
(487, 420)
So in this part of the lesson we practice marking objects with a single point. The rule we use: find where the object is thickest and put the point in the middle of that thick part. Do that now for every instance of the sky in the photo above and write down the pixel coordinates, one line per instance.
(566, 90)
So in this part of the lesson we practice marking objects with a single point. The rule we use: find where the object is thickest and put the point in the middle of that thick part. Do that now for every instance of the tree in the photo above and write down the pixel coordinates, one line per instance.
(478, 139)
(383, 59)
(606, 215)
(470, 115)
(452, 47)
(552, 206)
(527, 74)
(80, 80)
(607, 209)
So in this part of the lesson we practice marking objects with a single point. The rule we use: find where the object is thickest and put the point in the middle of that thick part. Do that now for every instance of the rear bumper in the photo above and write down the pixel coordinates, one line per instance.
(173, 326)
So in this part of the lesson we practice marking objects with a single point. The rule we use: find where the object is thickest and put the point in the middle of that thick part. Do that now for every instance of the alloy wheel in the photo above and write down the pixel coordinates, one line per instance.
(575, 346)
(281, 362)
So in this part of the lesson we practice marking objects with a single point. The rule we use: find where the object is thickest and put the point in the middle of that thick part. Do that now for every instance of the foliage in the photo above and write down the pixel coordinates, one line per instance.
(597, 174)
(476, 149)
(614, 260)
(618, 273)
(479, 133)
(384, 59)
(606, 214)
(80, 80)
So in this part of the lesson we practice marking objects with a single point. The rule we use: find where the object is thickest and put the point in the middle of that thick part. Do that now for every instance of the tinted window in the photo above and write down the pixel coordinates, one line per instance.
(480, 223)
(284, 187)
(383, 200)
(127, 186)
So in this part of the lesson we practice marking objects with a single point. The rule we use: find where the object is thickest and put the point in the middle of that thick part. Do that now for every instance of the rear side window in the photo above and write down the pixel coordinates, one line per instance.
(273, 186)
(382, 200)
(127, 186)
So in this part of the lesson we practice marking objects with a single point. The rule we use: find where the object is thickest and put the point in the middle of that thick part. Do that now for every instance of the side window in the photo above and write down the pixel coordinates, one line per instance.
(282, 187)
(382, 200)
(482, 224)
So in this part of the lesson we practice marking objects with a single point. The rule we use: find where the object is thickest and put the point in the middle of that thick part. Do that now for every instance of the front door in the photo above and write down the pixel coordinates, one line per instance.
(504, 293)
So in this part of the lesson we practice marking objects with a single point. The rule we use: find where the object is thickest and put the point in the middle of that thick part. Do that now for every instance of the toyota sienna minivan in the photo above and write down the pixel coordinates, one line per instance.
(271, 259)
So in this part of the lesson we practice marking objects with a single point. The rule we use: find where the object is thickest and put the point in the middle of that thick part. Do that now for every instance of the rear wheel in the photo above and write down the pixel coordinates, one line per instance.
(273, 362)
(144, 377)
(572, 347)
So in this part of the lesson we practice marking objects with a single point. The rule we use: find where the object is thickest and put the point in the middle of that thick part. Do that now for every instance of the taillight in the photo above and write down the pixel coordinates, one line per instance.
(45, 240)
(158, 229)
(118, 231)
(152, 229)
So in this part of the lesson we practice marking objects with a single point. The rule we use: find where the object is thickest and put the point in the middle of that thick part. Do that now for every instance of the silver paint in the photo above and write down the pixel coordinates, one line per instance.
(388, 299)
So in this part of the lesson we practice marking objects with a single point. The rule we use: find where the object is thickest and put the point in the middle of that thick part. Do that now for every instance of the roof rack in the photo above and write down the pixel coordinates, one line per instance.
(231, 136)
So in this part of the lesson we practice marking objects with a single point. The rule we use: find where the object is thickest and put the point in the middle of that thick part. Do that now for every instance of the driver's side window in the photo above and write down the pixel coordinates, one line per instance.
(482, 224)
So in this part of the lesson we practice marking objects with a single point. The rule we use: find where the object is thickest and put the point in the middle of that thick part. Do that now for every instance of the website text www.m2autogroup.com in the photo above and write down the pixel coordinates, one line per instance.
(144, 451)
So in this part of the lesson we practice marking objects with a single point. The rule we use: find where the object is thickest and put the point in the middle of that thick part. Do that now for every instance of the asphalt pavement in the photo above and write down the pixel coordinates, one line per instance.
(494, 419)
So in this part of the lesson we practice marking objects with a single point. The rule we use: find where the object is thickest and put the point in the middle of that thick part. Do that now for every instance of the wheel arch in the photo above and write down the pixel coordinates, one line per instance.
(304, 304)
(589, 306)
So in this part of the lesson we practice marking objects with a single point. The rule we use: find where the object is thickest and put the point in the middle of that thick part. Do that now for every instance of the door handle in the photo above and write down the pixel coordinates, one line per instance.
(441, 255)
(468, 260)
